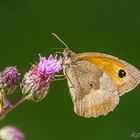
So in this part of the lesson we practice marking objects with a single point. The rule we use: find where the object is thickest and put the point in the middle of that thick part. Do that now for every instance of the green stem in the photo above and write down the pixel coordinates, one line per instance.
(12, 106)
(1, 101)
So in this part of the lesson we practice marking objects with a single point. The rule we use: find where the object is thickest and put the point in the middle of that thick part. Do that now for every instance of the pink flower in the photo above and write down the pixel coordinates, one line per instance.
(11, 133)
(9, 78)
(37, 81)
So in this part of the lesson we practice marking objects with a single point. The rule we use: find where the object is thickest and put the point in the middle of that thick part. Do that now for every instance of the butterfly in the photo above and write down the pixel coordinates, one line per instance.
(96, 81)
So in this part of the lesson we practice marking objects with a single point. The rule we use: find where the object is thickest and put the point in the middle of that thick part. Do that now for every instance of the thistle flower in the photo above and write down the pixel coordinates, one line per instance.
(9, 78)
(37, 81)
(11, 133)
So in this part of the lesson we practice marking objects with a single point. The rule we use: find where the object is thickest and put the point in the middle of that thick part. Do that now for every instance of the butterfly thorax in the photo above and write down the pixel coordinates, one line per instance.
(69, 57)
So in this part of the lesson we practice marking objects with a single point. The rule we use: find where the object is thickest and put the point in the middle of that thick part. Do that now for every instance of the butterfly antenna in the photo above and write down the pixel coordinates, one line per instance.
(60, 40)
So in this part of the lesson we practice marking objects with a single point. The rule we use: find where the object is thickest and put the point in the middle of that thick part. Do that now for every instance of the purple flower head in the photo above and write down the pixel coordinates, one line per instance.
(9, 78)
(37, 81)
(11, 133)
(50, 66)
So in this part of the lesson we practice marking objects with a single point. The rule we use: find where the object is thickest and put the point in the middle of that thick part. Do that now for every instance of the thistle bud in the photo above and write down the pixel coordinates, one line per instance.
(11, 133)
(9, 78)
(37, 81)
(4, 104)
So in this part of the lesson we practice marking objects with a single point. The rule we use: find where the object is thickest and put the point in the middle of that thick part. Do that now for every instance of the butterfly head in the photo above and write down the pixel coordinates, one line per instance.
(67, 53)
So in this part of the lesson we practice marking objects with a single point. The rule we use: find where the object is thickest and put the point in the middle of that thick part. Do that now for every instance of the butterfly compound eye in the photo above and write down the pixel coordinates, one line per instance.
(121, 73)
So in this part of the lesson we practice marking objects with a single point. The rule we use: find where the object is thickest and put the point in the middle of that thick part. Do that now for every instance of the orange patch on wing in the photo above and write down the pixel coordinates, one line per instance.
(109, 65)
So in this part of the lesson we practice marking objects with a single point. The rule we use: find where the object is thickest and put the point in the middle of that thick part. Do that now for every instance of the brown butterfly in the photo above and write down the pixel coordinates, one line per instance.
(96, 81)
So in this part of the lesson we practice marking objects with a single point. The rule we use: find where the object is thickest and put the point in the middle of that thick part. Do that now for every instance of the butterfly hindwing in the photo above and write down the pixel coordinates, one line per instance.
(92, 90)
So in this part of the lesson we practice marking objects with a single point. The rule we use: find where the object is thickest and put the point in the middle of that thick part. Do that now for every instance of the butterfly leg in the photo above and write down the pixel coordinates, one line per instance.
(57, 48)
(59, 77)
(57, 53)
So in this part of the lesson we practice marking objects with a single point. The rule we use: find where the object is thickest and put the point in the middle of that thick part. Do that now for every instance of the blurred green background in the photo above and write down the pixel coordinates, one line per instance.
(106, 26)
